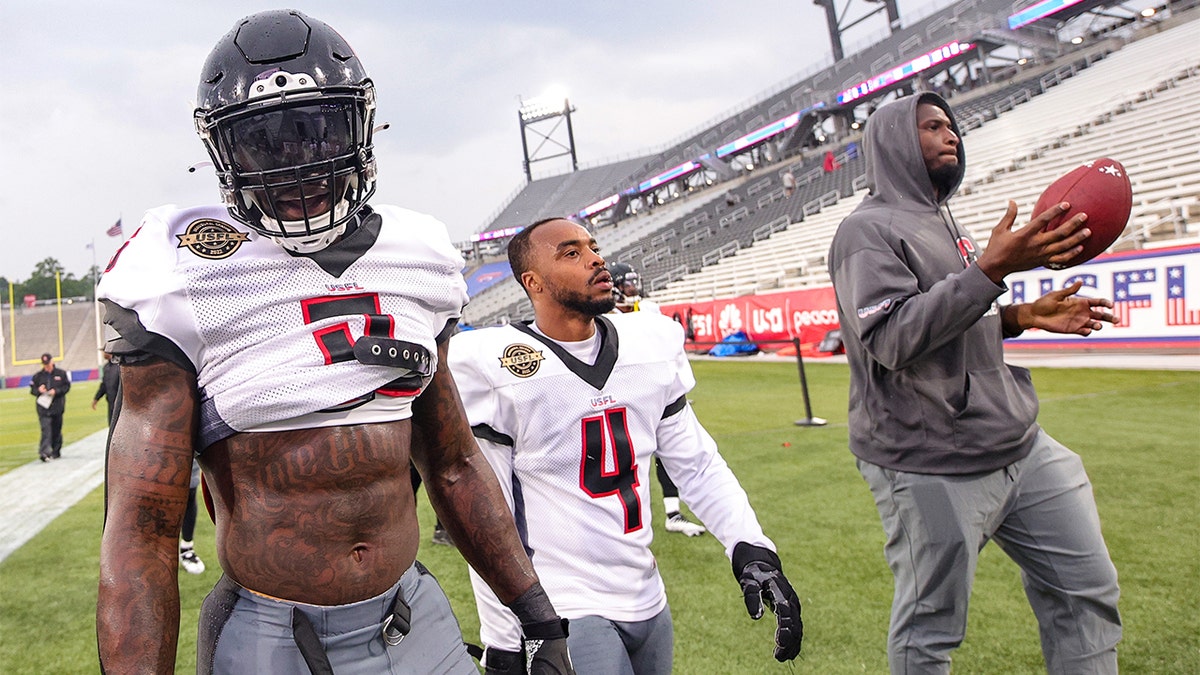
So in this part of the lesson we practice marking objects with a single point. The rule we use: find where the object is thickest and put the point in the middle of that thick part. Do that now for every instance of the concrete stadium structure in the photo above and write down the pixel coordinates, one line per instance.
(1124, 91)
(1082, 88)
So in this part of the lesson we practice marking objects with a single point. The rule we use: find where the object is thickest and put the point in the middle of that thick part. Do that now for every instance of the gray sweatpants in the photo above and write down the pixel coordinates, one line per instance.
(243, 632)
(1042, 513)
(603, 647)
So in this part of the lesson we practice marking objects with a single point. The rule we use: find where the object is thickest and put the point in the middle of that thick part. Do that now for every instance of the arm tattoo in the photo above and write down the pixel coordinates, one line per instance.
(147, 473)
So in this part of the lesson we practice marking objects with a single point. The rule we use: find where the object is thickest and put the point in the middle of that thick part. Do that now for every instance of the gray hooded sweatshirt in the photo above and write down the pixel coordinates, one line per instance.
(929, 389)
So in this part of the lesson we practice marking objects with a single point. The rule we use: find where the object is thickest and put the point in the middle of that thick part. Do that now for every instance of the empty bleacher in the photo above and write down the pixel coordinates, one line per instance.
(792, 257)
(36, 331)
(750, 212)
(989, 102)
(1134, 107)
(563, 194)
(505, 299)
(1129, 98)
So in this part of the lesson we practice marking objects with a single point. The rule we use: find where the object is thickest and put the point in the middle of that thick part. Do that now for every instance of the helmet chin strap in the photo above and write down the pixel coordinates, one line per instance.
(307, 244)
(317, 242)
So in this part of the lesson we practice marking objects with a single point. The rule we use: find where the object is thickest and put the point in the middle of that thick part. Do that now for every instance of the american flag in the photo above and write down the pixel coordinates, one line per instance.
(115, 230)
(1177, 312)
(1124, 299)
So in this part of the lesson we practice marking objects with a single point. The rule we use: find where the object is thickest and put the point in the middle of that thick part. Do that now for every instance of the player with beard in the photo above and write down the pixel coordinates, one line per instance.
(569, 410)
(294, 339)
(944, 432)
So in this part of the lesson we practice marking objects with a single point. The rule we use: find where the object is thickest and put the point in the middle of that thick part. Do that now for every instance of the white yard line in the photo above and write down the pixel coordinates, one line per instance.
(34, 494)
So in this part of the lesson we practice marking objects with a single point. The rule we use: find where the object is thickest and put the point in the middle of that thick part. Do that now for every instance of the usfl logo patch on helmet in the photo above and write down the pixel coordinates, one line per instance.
(521, 360)
(212, 239)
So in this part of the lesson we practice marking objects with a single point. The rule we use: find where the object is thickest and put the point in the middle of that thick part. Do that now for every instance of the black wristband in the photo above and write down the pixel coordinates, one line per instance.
(554, 629)
(503, 662)
(533, 606)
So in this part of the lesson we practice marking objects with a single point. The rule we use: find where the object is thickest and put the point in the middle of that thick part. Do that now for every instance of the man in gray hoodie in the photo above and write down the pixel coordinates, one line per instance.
(944, 432)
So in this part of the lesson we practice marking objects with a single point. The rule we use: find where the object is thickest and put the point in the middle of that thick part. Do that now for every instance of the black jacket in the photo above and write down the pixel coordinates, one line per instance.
(110, 379)
(57, 380)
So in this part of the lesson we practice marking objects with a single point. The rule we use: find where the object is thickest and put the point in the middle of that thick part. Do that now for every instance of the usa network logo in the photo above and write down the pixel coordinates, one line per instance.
(1155, 294)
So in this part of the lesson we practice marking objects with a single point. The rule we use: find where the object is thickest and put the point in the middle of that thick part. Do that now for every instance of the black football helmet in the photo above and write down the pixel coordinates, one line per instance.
(286, 112)
(627, 284)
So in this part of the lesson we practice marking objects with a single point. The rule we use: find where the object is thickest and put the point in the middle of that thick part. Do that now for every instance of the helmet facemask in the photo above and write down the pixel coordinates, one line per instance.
(629, 291)
(295, 163)
(627, 284)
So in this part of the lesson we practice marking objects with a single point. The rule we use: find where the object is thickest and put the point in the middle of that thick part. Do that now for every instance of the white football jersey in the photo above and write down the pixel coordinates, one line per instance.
(277, 341)
(644, 305)
(640, 305)
(572, 445)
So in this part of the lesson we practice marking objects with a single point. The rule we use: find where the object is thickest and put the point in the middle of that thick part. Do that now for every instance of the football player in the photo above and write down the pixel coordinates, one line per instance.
(294, 339)
(569, 410)
(627, 289)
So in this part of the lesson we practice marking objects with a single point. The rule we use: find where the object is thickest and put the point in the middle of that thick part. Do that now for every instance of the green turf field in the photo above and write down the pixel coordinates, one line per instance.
(19, 428)
(1137, 432)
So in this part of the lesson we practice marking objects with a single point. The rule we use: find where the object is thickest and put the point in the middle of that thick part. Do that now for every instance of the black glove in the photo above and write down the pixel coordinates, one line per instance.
(544, 652)
(546, 648)
(760, 574)
(502, 662)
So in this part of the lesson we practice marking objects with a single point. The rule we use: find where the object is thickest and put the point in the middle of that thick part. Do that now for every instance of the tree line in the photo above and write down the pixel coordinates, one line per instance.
(41, 283)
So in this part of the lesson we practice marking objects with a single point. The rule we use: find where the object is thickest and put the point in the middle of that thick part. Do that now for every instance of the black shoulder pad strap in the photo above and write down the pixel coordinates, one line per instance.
(676, 406)
(489, 434)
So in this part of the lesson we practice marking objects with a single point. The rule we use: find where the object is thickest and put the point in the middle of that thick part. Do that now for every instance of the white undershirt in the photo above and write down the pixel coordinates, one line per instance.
(585, 350)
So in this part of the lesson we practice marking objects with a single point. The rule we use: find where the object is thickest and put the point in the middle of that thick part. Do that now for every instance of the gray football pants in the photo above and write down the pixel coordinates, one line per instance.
(603, 647)
(1042, 513)
(243, 632)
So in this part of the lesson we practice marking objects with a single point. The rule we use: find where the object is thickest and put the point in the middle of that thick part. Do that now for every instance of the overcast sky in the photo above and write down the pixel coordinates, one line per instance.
(96, 99)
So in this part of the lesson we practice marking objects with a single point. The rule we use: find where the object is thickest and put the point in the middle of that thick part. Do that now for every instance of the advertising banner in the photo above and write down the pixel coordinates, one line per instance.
(1156, 297)
(1155, 294)
(805, 314)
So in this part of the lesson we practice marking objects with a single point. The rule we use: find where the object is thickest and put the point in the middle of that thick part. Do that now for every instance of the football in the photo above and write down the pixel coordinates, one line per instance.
(1100, 189)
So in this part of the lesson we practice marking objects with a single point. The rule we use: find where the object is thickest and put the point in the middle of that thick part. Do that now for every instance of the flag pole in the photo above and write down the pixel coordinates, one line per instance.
(96, 305)
(62, 349)
(3, 356)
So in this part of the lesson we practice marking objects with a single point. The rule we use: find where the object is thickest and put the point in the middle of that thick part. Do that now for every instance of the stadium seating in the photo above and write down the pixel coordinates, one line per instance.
(1133, 106)
(989, 102)
(1130, 100)
(1125, 95)
(36, 331)
(505, 301)
(793, 257)
(563, 194)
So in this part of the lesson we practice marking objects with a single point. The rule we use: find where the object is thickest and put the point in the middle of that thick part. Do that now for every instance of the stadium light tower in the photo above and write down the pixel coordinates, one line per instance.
(837, 27)
(550, 110)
